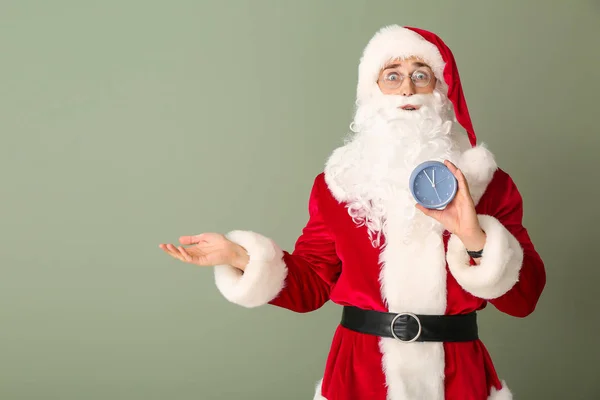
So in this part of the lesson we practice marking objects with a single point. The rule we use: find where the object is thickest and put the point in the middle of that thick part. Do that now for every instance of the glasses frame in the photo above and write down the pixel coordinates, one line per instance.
(388, 84)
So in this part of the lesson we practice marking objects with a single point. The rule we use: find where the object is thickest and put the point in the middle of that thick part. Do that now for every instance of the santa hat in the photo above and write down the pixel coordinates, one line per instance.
(396, 42)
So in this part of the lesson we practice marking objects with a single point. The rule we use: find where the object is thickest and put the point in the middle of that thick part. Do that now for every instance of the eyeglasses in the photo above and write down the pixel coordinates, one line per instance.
(393, 79)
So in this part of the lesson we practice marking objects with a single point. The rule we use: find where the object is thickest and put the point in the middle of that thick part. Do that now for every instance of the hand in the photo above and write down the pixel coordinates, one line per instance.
(208, 249)
(459, 217)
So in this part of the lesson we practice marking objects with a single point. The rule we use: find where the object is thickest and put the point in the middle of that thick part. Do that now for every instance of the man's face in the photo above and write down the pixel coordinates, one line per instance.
(405, 78)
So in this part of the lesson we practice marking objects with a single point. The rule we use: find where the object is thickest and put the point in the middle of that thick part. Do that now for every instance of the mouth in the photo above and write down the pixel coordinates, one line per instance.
(410, 107)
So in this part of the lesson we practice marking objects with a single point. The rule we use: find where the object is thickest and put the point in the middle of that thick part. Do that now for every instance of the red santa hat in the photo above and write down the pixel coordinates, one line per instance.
(396, 42)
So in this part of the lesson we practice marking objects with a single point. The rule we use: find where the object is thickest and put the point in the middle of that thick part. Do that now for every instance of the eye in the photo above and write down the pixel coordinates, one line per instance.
(421, 76)
(392, 76)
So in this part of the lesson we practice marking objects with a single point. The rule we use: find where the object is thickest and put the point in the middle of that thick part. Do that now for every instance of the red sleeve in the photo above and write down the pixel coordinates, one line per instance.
(300, 280)
(511, 274)
(523, 296)
(313, 266)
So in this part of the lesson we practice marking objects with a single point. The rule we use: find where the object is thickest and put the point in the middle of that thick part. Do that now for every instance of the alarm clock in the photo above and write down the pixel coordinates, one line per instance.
(433, 185)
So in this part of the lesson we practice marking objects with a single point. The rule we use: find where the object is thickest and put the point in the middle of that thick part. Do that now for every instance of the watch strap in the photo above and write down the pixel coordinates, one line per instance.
(475, 254)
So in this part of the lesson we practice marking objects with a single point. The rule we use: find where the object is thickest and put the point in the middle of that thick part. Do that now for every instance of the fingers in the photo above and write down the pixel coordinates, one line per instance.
(175, 252)
(462, 181)
(186, 256)
(164, 247)
(453, 168)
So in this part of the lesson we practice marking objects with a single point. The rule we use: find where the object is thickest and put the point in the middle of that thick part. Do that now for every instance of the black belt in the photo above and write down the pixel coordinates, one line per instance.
(408, 327)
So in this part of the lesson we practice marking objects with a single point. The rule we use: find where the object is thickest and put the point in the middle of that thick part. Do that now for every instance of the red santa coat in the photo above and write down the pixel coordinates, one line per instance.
(334, 260)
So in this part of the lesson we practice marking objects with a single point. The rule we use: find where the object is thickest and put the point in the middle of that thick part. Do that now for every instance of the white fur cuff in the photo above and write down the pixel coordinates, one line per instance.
(500, 265)
(264, 276)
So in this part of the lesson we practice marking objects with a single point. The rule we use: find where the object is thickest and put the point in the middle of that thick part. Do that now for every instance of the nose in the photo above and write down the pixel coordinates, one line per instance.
(407, 88)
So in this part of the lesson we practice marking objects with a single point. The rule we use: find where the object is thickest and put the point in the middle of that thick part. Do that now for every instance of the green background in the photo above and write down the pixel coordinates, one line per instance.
(126, 123)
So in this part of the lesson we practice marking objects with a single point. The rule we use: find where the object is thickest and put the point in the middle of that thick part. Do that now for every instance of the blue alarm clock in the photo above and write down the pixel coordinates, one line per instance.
(433, 185)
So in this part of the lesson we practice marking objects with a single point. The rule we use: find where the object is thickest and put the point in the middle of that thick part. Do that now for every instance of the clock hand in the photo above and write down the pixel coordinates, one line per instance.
(436, 192)
(433, 181)
(430, 181)
(443, 179)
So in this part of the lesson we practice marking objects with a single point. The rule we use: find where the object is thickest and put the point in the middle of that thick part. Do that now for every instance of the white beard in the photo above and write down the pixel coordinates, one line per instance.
(370, 174)
(374, 166)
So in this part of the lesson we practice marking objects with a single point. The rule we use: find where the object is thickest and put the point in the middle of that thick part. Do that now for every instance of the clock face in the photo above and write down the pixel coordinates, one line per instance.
(433, 185)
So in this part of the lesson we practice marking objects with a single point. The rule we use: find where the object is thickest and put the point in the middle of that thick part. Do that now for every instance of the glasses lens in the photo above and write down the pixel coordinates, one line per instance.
(392, 79)
(421, 78)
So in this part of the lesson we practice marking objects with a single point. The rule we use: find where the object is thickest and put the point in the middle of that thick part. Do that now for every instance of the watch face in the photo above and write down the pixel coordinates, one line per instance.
(433, 185)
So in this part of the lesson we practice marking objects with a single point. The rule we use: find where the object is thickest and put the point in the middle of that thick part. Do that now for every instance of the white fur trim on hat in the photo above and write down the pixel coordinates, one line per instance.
(264, 276)
(502, 394)
(318, 395)
(395, 42)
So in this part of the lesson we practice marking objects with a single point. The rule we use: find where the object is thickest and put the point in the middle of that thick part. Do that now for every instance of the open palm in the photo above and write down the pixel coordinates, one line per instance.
(207, 249)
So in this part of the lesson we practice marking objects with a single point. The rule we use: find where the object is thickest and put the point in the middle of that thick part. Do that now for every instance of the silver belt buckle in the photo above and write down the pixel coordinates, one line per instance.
(394, 321)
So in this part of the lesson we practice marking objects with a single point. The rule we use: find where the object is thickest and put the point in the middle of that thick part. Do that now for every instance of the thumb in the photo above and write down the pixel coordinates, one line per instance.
(186, 240)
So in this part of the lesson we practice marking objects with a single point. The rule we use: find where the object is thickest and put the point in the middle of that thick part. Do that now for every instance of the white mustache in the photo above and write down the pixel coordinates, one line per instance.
(388, 108)
(415, 100)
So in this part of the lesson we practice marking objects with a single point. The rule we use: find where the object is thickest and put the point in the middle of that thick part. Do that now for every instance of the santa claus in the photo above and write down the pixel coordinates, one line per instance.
(410, 278)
